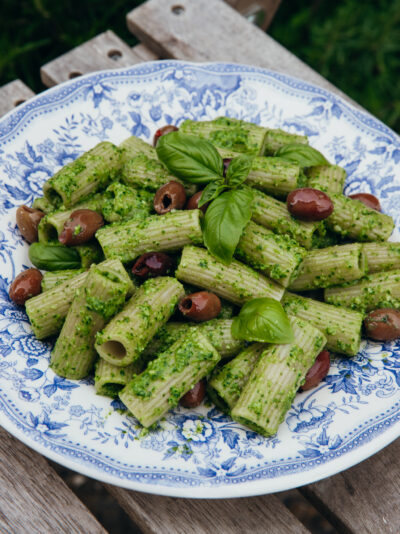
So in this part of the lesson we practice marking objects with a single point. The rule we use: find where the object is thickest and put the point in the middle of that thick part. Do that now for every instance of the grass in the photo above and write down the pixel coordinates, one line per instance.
(356, 45)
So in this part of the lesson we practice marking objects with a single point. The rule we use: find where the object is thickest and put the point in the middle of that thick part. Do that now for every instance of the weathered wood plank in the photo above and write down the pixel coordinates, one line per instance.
(12, 94)
(364, 499)
(144, 53)
(165, 515)
(105, 51)
(210, 30)
(262, 11)
(33, 498)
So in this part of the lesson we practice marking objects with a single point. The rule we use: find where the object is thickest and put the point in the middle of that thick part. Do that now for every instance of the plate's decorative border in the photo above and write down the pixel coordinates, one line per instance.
(313, 464)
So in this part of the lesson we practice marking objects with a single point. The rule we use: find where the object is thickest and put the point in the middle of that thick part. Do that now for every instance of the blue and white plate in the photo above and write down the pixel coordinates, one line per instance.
(196, 453)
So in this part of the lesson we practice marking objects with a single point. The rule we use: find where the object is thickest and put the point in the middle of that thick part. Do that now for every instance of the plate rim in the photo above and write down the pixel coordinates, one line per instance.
(247, 488)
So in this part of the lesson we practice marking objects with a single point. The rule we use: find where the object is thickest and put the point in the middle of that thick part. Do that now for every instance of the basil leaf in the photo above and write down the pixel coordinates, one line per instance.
(264, 320)
(52, 257)
(224, 222)
(238, 170)
(190, 158)
(212, 191)
(303, 155)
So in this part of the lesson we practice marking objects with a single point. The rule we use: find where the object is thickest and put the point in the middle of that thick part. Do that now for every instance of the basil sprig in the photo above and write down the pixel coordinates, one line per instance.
(53, 257)
(302, 155)
(190, 158)
(196, 160)
(224, 222)
(263, 320)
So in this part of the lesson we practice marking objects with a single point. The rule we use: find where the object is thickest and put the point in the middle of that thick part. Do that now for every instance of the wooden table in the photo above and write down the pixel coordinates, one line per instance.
(33, 498)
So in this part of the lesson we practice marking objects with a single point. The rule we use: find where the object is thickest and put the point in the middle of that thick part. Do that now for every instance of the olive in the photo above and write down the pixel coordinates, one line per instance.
(227, 162)
(383, 324)
(195, 396)
(368, 200)
(318, 371)
(193, 202)
(26, 285)
(28, 220)
(200, 306)
(168, 197)
(309, 204)
(80, 227)
(152, 264)
(163, 131)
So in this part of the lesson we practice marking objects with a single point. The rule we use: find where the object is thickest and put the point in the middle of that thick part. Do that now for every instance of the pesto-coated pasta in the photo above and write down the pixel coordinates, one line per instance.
(382, 256)
(122, 202)
(278, 256)
(227, 383)
(54, 278)
(327, 178)
(377, 290)
(109, 379)
(330, 266)
(274, 176)
(101, 296)
(275, 139)
(274, 215)
(341, 327)
(235, 282)
(127, 334)
(170, 232)
(89, 173)
(275, 379)
(352, 219)
(167, 378)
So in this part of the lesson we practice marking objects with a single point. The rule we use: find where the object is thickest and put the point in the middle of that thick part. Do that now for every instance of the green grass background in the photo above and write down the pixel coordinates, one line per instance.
(353, 43)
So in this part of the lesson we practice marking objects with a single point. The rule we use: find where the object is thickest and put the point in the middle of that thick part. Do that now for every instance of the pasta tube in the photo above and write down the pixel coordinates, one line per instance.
(167, 378)
(275, 379)
(169, 232)
(235, 282)
(327, 178)
(274, 175)
(382, 256)
(127, 334)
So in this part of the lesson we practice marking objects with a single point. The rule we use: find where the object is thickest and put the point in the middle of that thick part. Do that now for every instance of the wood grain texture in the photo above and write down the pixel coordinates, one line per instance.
(12, 94)
(210, 30)
(249, 8)
(166, 515)
(364, 499)
(34, 499)
(105, 51)
(144, 53)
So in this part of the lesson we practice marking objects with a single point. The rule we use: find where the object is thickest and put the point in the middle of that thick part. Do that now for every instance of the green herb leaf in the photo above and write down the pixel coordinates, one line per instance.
(190, 158)
(263, 320)
(238, 170)
(212, 191)
(303, 155)
(52, 257)
(224, 222)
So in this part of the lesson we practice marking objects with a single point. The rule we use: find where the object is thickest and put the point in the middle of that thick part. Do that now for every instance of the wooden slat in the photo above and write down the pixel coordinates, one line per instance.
(105, 51)
(364, 499)
(263, 11)
(13, 94)
(165, 515)
(34, 499)
(210, 30)
(144, 53)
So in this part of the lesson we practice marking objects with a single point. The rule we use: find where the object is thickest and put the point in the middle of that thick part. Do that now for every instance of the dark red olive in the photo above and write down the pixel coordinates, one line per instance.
(80, 227)
(195, 396)
(309, 204)
(152, 264)
(368, 200)
(28, 220)
(168, 197)
(227, 162)
(201, 306)
(383, 324)
(26, 285)
(318, 371)
(163, 131)
(193, 202)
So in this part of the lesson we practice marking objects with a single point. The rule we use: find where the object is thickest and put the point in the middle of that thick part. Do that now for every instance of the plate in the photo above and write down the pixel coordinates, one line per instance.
(196, 453)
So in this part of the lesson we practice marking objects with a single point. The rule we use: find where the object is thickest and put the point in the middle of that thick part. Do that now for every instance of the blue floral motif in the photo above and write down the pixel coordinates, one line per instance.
(198, 452)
